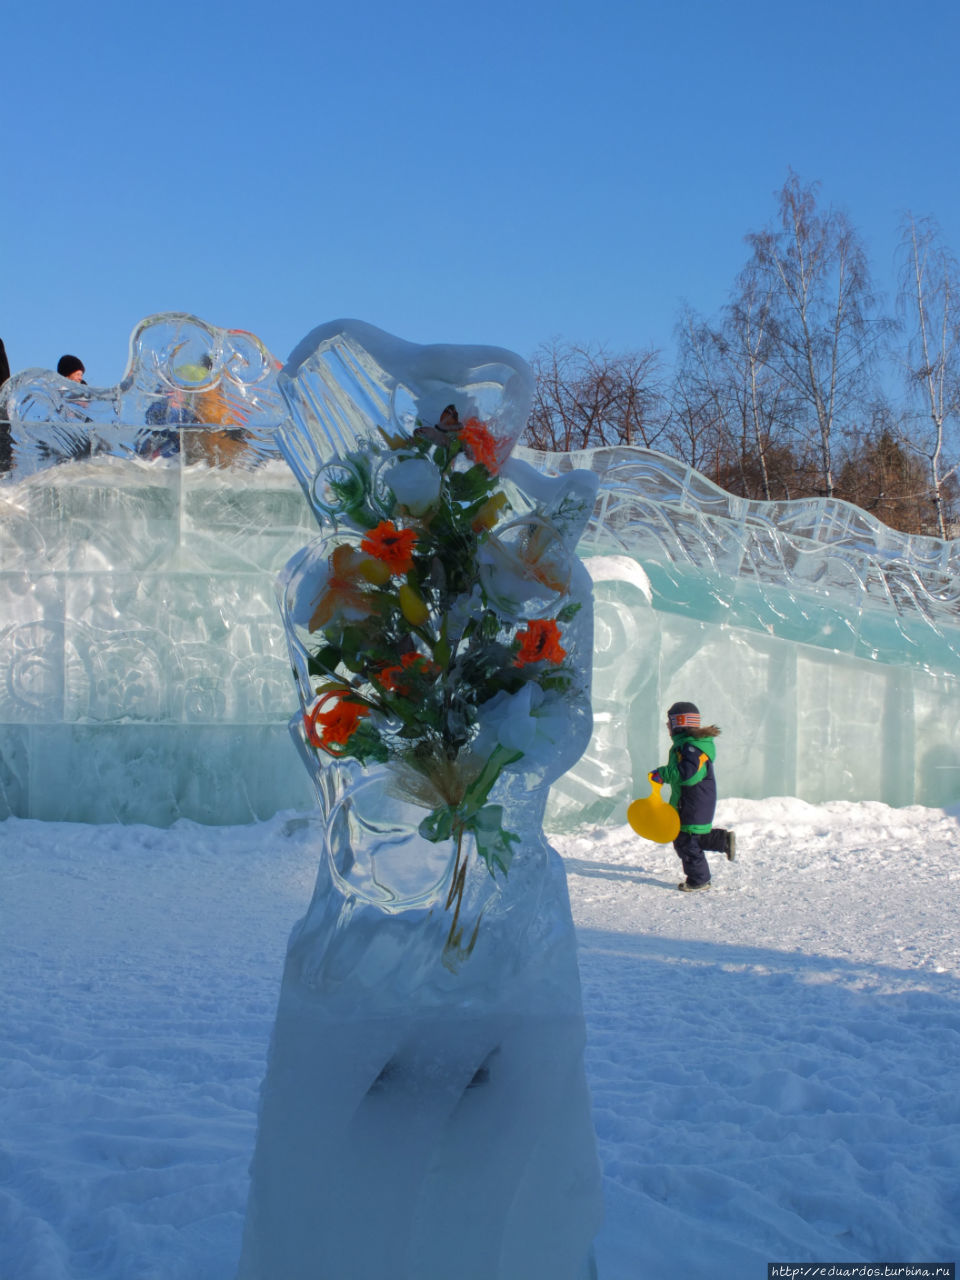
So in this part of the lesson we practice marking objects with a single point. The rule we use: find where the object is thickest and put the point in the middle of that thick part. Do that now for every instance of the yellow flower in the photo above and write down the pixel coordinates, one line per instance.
(489, 513)
(373, 571)
(412, 606)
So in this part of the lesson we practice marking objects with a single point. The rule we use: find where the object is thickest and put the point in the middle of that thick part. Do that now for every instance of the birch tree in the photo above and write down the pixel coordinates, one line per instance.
(724, 379)
(823, 328)
(929, 300)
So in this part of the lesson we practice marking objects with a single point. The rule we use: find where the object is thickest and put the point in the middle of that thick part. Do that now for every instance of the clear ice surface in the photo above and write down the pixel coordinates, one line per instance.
(144, 673)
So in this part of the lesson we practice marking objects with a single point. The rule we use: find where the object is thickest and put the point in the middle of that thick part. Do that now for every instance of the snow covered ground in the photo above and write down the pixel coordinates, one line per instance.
(775, 1063)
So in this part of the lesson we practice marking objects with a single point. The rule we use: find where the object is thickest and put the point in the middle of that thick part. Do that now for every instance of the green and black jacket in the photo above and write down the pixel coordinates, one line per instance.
(693, 788)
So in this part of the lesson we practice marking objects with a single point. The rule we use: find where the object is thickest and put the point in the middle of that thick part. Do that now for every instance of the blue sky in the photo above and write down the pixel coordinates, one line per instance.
(499, 172)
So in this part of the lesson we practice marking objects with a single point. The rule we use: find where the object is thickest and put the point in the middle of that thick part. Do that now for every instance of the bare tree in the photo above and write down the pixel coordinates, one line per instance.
(725, 385)
(587, 398)
(822, 327)
(929, 298)
(698, 429)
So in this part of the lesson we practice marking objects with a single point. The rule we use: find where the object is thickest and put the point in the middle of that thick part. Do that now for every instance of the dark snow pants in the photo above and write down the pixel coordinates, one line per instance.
(690, 849)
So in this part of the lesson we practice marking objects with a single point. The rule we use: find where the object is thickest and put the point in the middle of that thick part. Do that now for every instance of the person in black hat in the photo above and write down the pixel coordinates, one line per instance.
(71, 367)
(693, 793)
(6, 455)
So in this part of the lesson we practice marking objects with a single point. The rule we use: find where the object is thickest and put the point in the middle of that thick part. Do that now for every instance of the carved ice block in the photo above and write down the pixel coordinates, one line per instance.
(425, 1112)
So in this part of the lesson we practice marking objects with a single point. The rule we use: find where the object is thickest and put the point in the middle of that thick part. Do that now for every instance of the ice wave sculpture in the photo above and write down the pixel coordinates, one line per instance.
(826, 644)
(424, 1112)
(814, 570)
(190, 390)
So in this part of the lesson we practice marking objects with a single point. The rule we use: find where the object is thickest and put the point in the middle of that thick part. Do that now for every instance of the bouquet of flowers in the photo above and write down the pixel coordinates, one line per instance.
(436, 628)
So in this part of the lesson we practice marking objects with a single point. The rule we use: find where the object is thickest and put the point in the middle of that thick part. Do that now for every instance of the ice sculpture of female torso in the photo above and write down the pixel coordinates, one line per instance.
(425, 1112)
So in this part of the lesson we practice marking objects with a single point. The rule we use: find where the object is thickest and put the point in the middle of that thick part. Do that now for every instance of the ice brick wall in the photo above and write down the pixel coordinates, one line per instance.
(143, 667)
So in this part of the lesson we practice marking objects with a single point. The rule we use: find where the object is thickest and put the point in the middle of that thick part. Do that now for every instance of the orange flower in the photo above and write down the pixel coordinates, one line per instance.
(343, 593)
(388, 678)
(336, 725)
(542, 553)
(391, 545)
(540, 642)
(388, 675)
(481, 444)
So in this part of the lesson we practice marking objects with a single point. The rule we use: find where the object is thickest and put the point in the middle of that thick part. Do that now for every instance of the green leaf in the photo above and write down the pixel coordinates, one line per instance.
(476, 794)
(471, 487)
(325, 661)
(438, 825)
(441, 650)
(365, 744)
(493, 842)
(569, 611)
(358, 644)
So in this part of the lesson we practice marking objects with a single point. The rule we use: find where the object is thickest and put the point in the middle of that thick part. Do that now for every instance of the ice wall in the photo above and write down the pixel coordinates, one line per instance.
(144, 673)
(143, 668)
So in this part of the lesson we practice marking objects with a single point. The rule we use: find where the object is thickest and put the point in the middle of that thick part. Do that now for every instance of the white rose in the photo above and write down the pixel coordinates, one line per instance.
(530, 721)
(414, 482)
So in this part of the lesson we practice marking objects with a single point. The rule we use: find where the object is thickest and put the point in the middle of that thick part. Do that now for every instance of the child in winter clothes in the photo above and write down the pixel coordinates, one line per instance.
(693, 793)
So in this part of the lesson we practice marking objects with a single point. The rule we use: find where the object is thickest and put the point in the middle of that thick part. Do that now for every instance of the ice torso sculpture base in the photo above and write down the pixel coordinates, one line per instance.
(428, 1133)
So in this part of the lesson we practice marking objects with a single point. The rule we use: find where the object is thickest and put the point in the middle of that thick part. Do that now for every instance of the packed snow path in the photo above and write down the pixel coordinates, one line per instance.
(774, 1063)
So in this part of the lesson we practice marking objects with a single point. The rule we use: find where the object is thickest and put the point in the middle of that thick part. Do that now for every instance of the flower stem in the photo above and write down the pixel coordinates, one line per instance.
(458, 879)
(453, 950)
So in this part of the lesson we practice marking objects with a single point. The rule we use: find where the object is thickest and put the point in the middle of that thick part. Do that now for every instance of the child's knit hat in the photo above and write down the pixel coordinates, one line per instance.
(683, 716)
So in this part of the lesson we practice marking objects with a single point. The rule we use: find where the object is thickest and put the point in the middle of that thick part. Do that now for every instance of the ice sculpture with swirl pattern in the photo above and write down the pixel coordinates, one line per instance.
(189, 387)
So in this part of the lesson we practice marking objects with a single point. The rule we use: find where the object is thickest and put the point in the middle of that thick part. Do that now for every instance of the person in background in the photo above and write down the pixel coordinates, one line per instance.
(693, 793)
(71, 367)
(6, 447)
